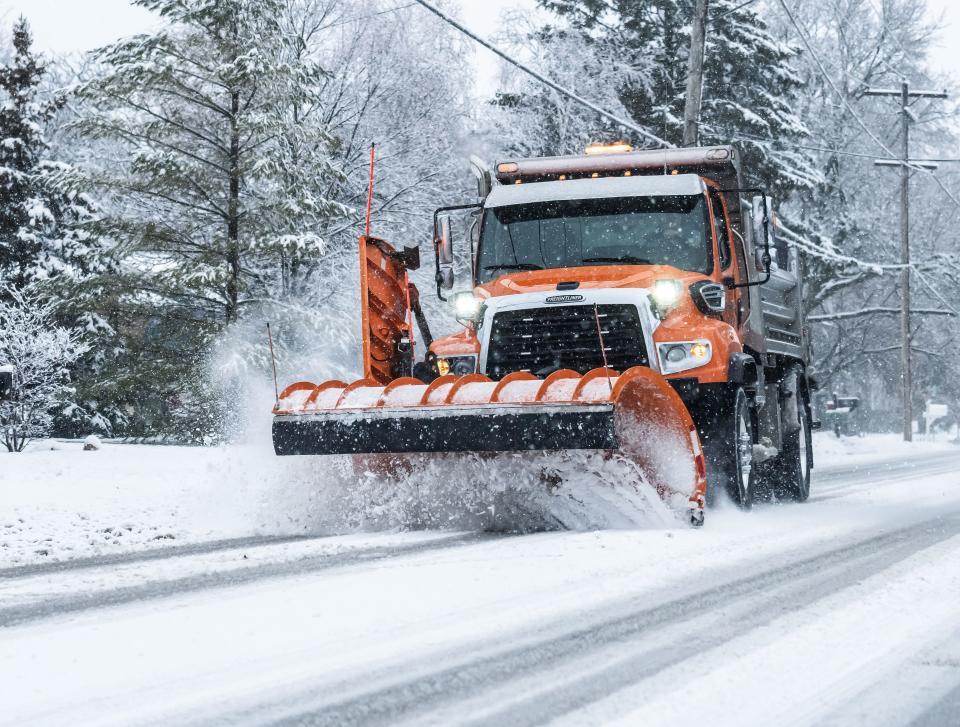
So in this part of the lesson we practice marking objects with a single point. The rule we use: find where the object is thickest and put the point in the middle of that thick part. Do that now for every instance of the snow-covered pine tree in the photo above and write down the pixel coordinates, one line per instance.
(212, 183)
(201, 105)
(531, 120)
(47, 240)
(44, 215)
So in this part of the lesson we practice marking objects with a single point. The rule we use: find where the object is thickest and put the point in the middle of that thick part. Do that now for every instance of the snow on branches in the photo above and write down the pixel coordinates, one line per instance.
(41, 354)
(44, 211)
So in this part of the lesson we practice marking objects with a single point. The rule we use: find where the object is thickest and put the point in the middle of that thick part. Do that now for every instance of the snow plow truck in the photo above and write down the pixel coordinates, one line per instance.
(633, 304)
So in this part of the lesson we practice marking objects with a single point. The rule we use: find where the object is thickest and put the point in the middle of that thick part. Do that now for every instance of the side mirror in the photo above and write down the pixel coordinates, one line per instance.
(444, 243)
(444, 240)
(761, 218)
(445, 278)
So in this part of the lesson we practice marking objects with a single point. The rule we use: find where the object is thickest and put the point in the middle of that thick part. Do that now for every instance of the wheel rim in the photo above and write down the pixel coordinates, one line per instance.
(803, 452)
(804, 461)
(744, 453)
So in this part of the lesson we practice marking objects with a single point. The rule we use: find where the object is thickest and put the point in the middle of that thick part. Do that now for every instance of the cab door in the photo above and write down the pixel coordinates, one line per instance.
(733, 261)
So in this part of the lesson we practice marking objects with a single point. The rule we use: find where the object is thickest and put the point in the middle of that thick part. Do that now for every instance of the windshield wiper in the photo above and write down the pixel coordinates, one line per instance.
(629, 259)
(514, 266)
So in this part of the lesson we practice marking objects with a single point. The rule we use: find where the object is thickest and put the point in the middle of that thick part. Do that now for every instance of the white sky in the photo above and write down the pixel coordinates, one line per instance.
(67, 25)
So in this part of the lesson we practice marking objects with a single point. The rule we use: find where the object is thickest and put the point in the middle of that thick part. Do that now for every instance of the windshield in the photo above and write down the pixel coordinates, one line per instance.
(571, 233)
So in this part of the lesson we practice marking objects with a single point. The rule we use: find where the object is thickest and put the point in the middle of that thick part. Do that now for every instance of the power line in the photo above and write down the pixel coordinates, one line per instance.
(802, 242)
(905, 163)
(543, 79)
(747, 137)
(846, 103)
(829, 80)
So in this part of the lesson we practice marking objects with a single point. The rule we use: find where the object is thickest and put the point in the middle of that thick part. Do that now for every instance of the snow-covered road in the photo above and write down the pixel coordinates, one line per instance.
(842, 611)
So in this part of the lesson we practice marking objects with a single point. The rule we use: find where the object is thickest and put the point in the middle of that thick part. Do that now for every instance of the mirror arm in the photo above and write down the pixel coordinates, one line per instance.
(436, 239)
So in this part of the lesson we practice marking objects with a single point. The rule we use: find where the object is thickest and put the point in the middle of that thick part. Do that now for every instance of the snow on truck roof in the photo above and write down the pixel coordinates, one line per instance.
(670, 185)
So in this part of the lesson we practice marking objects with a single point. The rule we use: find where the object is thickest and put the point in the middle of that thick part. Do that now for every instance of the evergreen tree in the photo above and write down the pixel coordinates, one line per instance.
(44, 216)
(47, 243)
(207, 107)
(233, 154)
(214, 204)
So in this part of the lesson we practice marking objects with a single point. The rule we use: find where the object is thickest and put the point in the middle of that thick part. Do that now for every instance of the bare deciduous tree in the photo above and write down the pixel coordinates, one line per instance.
(41, 354)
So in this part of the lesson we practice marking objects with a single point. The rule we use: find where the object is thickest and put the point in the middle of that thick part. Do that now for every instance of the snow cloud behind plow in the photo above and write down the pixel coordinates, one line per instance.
(516, 492)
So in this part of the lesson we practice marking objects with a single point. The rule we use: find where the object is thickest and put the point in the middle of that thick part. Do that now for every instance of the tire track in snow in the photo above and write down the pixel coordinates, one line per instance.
(158, 553)
(944, 712)
(741, 605)
(75, 602)
(893, 468)
(867, 483)
(816, 580)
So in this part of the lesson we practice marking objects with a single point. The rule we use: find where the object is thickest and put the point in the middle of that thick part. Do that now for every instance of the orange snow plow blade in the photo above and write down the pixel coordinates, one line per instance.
(636, 415)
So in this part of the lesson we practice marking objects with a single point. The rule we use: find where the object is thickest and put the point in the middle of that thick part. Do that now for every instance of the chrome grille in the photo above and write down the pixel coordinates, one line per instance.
(543, 340)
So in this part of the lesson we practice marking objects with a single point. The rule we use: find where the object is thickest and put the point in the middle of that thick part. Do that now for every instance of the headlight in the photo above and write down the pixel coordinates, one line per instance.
(456, 365)
(466, 306)
(683, 355)
(666, 293)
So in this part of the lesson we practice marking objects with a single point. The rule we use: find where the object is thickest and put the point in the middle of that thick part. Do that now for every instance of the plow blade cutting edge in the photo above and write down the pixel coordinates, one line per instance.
(636, 415)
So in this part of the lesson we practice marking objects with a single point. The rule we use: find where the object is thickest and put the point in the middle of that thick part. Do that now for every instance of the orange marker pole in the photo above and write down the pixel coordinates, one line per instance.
(273, 360)
(366, 231)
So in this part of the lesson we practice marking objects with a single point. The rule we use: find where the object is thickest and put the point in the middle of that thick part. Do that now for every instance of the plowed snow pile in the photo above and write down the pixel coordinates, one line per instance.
(58, 501)
(512, 492)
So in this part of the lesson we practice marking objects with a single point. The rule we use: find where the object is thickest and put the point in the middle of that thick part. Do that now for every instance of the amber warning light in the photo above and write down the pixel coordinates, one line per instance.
(619, 147)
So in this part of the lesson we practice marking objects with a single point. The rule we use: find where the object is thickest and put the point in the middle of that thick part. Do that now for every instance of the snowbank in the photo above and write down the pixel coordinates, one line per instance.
(830, 452)
(58, 501)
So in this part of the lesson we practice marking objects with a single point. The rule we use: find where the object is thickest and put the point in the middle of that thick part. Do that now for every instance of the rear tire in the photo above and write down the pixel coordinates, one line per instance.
(791, 470)
(726, 432)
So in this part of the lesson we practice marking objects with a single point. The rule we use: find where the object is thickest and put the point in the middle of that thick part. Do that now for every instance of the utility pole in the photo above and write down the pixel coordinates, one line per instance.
(691, 107)
(906, 164)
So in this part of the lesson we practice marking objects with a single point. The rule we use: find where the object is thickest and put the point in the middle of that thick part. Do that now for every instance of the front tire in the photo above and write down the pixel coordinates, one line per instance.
(726, 432)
